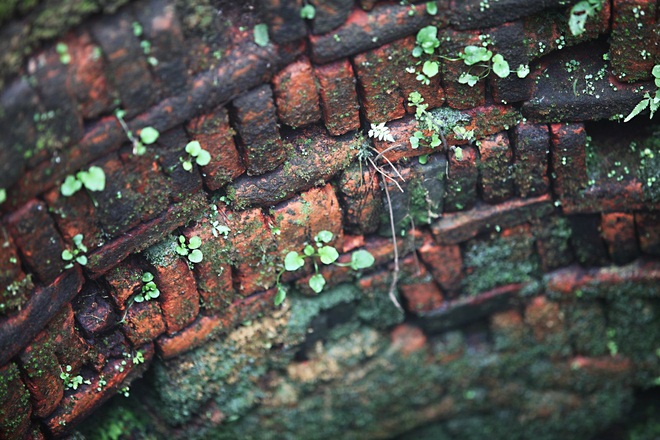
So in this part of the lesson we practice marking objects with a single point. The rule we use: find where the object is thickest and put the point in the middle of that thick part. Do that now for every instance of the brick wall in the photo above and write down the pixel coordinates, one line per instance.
(529, 272)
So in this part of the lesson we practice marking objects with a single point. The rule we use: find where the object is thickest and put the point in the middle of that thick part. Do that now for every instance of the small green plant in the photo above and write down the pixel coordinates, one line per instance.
(195, 151)
(483, 58)
(149, 289)
(327, 255)
(148, 135)
(63, 51)
(72, 382)
(434, 124)
(381, 132)
(138, 358)
(3, 195)
(431, 8)
(308, 12)
(579, 14)
(77, 254)
(652, 102)
(93, 180)
(261, 35)
(190, 250)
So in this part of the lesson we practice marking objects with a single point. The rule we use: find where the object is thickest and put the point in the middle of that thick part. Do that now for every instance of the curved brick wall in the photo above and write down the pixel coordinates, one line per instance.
(529, 260)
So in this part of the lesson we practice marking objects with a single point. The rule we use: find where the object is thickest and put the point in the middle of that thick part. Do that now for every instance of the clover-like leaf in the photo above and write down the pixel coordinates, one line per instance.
(467, 78)
(324, 236)
(203, 158)
(195, 256)
(261, 34)
(361, 259)
(139, 298)
(522, 71)
(500, 66)
(67, 255)
(328, 254)
(309, 250)
(316, 282)
(475, 54)
(280, 296)
(193, 148)
(430, 68)
(195, 242)
(77, 240)
(293, 261)
(308, 12)
(149, 135)
(431, 8)
(414, 142)
(70, 186)
(147, 277)
(3, 195)
(81, 259)
(153, 293)
(656, 71)
(93, 179)
(182, 250)
(187, 165)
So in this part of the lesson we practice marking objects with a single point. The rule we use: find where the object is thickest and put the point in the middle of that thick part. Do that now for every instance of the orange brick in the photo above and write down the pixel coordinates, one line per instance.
(296, 94)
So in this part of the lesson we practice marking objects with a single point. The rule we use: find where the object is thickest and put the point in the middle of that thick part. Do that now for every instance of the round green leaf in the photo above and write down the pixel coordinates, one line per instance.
(195, 242)
(149, 135)
(361, 259)
(193, 148)
(139, 298)
(308, 12)
(261, 34)
(467, 78)
(280, 296)
(203, 158)
(430, 68)
(3, 195)
(155, 293)
(82, 260)
(328, 254)
(77, 239)
(522, 71)
(293, 261)
(195, 256)
(67, 255)
(182, 250)
(309, 250)
(147, 277)
(656, 71)
(70, 186)
(431, 8)
(316, 282)
(324, 236)
(475, 54)
(414, 142)
(187, 165)
(93, 179)
(500, 66)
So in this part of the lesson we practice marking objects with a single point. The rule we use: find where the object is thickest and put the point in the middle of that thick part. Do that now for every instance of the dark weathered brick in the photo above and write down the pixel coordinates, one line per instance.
(330, 14)
(495, 168)
(531, 145)
(462, 179)
(618, 230)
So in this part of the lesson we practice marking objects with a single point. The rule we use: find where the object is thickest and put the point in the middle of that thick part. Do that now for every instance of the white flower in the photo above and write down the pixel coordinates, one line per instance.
(381, 132)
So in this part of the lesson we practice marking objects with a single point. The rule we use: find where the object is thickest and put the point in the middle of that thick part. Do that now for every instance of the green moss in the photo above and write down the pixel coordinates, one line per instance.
(119, 419)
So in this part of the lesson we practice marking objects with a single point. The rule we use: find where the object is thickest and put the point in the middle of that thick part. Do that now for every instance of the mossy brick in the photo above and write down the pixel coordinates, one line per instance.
(381, 98)
(314, 157)
(472, 14)
(143, 236)
(179, 299)
(376, 309)
(531, 146)
(14, 286)
(86, 76)
(592, 93)
(181, 184)
(618, 230)
(124, 280)
(194, 335)
(445, 263)
(587, 241)
(162, 29)
(213, 132)
(79, 404)
(631, 41)
(297, 95)
(552, 235)
(41, 373)
(127, 67)
(454, 228)
(283, 19)
(459, 96)
(422, 294)
(93, 310)
(586, 323)
(506, 42)
(359, 194)
(255, 122)
(548, 326)
(143, 322)
(38, 240)
(463, 172)
(330, 14)
(648, 232)
(408, 339)
(339, 101)
(14, 403)
(495, 168)
(69, 346)
(568, 147)
(363, 31)
(508, 329)
(20, 103)
(22, 327)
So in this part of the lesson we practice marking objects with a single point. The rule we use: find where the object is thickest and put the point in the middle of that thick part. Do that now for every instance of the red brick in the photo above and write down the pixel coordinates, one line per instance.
(69, 346)
(616, 369)
(87, 78)
(531, 145)
(648, 230)
(93, 311)
(41, 372)
(14, 403)
(35, 234)
(214, 133)
(457, 227)
(609, 197)
(190, 337)
(359, 192)
(496, 181)
(546, 320)
(462, 180)
(246, 309)
(552, 242)
(256, 124)
(381, 97)
(178, 299)
(143, 322)
(341, 110)
(124, 280)
(508, 329)
(444, 262)
(408, 339)
(632, 33)
(618, 230)
(422, 296)
(296, 94)
(568, 159)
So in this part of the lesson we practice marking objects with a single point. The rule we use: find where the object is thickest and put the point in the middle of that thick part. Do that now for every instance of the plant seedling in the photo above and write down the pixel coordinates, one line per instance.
(195, 151)
(63, 51)
(92, 179)
(381, 132)
(3, 195)
(579, 14)
(149, 289)
(652, 102)
(148, 135)
(308, 12)
(190, 250)
(72, 382)
(76, 254)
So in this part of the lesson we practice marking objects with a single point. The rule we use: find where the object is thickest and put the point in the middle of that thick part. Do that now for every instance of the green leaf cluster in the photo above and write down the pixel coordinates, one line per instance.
(650, 102)
(308, 12)
(92, 179)
(149, 289)
(190, 250)
(76, 254)
(579, 14)
(196, 152)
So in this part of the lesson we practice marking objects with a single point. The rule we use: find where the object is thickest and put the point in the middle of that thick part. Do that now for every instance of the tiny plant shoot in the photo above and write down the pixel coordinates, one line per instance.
(77, 254)
(196, 152)
(149, 289)
(324, 253)
(652, 102)
(190, 250)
